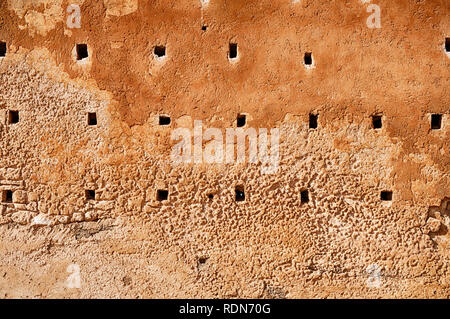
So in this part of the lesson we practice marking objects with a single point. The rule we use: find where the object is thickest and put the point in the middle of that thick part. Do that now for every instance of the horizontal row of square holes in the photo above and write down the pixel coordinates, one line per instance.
(160, 50)
(377, 121)
(163, 195)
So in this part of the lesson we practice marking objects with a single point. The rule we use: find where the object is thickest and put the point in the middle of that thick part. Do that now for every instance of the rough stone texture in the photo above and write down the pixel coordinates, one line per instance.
(128, 244)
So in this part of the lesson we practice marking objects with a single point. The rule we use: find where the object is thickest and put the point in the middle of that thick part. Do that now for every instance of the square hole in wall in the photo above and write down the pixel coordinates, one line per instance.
(304, 196)
(92, 118)
(239, 193)
(233, 51)
(13, 117)
(82, 51)
(436, 121)
(386, 195)
(241, 120)
(377, 121)
(7, 196)
(90, 194)
(159, 51)
(2, 49)
(164, 120)
(308, 58)
(447, 44)
(313, 120)
(162, 194)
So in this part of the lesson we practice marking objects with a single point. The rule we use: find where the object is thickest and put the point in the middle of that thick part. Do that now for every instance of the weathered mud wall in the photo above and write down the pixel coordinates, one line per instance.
(83, 154)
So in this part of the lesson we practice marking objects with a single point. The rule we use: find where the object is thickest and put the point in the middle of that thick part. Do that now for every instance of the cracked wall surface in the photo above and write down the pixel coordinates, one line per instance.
(344, 241)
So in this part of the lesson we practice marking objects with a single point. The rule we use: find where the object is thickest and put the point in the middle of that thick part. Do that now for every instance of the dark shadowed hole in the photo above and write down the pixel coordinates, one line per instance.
(304, 196)
(2, 49)
(82, 51)
(313, 120)
(308, 58)
(7, 196)
(233, 51)
(241, 119)
(239, 193)
(13, 117)
(160, 51)
(90, 194)
(436, 121)
(162, 194)
(386, 195)
(377, 122)
(204, 28)
(447, 44)
(164, 120)
(210, 196)
(202, 260)
(92, 118)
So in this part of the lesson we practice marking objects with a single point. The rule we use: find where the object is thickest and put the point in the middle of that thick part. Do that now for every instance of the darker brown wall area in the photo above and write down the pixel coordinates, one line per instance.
(399, 71)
